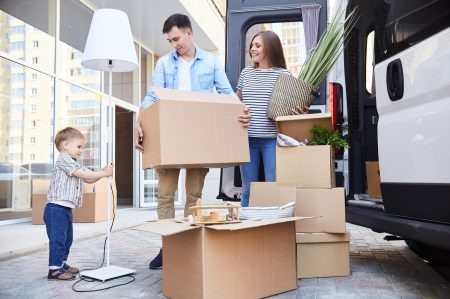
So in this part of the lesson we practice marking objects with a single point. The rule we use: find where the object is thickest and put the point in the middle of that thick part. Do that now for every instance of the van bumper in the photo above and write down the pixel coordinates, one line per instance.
(432, 234)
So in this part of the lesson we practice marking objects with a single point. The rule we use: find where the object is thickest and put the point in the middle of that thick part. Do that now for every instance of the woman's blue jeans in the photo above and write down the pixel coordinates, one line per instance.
(58, 222)
(259, 147)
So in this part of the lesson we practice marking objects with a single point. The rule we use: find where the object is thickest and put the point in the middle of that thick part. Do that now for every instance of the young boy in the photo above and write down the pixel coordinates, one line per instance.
(64, 194)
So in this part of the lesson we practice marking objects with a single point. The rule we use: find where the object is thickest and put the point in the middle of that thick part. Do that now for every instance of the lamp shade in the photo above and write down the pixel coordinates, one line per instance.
(110, 40)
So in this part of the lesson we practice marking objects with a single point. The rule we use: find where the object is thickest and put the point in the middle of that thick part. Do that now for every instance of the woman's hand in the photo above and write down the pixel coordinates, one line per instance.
(299, 110)
(244, 118)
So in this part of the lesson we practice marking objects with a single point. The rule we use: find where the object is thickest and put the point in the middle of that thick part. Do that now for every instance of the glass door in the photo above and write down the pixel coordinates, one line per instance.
(150, 189)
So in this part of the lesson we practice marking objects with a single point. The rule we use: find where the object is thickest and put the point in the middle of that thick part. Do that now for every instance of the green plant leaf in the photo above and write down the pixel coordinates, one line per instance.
(322, 58)
(321, 136)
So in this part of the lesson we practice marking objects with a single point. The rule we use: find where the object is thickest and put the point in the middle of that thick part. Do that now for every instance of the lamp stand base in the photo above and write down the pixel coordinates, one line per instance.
(107, 273)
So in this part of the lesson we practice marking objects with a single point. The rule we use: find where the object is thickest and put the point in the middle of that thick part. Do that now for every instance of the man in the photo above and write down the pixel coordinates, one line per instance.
(185, 68)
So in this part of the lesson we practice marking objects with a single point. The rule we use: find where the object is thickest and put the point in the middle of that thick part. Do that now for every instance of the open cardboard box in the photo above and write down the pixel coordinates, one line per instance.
(305, 166)
(329, 204)
(252, 259)
(193, 129)
(94, 207)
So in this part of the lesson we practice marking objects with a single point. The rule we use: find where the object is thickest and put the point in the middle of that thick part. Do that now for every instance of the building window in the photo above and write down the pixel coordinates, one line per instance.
(17, 92)
(16, 46)
(33, 76)
(33, 124)
(33, 107)
(34, 60)
(32, 140)
(34, 91)
(35, 44)
(32, 157)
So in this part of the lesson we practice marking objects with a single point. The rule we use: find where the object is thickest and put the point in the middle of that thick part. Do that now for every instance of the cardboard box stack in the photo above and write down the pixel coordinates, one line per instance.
(306, 175)
(95, 201)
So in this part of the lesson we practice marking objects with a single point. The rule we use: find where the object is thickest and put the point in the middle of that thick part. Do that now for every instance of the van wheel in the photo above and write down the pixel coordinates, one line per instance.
(431, 254)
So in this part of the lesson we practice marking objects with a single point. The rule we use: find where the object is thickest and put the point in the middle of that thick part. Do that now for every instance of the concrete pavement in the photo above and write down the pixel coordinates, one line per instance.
(380, 269)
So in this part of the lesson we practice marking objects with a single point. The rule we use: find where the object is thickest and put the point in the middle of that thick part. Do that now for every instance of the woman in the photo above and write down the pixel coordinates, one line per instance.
(254, 88)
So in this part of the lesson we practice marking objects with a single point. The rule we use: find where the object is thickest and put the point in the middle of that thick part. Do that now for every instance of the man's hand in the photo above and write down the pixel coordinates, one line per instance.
(244, 118)
(108, 170)
(139, 135)
(299, 110)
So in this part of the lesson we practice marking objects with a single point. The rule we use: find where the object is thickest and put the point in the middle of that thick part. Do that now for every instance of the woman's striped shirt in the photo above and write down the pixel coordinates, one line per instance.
(256, 86)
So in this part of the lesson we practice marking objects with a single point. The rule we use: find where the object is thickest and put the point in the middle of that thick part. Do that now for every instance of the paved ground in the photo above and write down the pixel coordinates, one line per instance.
(380, 269)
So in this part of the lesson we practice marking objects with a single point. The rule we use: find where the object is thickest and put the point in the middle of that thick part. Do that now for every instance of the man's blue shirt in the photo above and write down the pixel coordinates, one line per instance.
(206, 72)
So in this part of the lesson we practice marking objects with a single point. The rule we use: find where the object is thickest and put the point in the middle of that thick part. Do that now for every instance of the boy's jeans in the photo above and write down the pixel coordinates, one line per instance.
(58, 222)
(264, 147)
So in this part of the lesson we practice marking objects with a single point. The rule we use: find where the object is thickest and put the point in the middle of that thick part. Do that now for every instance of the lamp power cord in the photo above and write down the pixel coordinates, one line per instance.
(81, 278)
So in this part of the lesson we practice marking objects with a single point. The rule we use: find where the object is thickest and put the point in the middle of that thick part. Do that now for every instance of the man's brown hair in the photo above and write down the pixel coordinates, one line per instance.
(67, 134)
(272, 49)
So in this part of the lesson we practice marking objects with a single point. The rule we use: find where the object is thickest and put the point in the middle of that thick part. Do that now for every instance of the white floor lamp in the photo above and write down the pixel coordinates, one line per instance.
(109, 48)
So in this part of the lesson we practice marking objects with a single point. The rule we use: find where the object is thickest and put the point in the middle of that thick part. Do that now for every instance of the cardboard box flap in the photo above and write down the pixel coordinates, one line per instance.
(299, 126)
(40, 186)
(254, 223)
(322, 237)
(168, 94)
(167, 227)
(270, 194)
(88, 188)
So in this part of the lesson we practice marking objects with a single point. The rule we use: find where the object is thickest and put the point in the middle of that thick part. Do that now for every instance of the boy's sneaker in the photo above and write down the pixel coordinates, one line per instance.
(70, 269)
(59, 274)
(156, 263)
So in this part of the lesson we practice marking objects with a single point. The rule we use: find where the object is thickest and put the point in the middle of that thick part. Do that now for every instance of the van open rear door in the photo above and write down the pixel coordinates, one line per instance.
(245, 18)
(408, 109)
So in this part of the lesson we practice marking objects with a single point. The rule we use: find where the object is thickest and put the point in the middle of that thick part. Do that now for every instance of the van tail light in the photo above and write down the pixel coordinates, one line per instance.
(335, 108)
(333, 98)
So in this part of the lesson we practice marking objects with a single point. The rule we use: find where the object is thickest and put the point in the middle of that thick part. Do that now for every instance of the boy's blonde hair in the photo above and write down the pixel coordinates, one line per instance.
(67, 134)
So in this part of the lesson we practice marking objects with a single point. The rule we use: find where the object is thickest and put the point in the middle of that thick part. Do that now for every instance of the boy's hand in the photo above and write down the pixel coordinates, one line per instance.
(244, 118)
(108, 170)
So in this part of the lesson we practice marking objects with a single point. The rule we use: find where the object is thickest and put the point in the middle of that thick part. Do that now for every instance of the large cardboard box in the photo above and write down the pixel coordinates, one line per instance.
(305, 166)
(322, 255)
(95, 201)
(252, 259)
(328, 204)
(373, 180)
(193, 129)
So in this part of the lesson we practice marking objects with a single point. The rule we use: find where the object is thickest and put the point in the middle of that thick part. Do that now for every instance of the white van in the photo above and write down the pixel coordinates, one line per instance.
(392, 103)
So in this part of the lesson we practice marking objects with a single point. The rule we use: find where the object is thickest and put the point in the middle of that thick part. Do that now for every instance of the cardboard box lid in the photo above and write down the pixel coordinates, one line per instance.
(253, 223)
(169, 227)
(322, 237)
(299, 126)
(100, 187)
(168, 94)
(166, 227)
(40, 186)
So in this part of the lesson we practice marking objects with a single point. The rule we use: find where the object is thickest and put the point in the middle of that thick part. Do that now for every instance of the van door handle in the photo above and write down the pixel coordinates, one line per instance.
(394, 80)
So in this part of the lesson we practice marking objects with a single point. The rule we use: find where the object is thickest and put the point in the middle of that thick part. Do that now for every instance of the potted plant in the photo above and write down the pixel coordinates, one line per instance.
(289, 91)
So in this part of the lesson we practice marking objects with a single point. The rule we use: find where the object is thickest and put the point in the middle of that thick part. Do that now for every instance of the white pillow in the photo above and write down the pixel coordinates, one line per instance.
(284, 140)
(267, 212)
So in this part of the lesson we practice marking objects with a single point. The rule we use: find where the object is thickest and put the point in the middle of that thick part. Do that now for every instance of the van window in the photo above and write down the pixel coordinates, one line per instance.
(403, 23)
(292, 39)
(370, 88)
